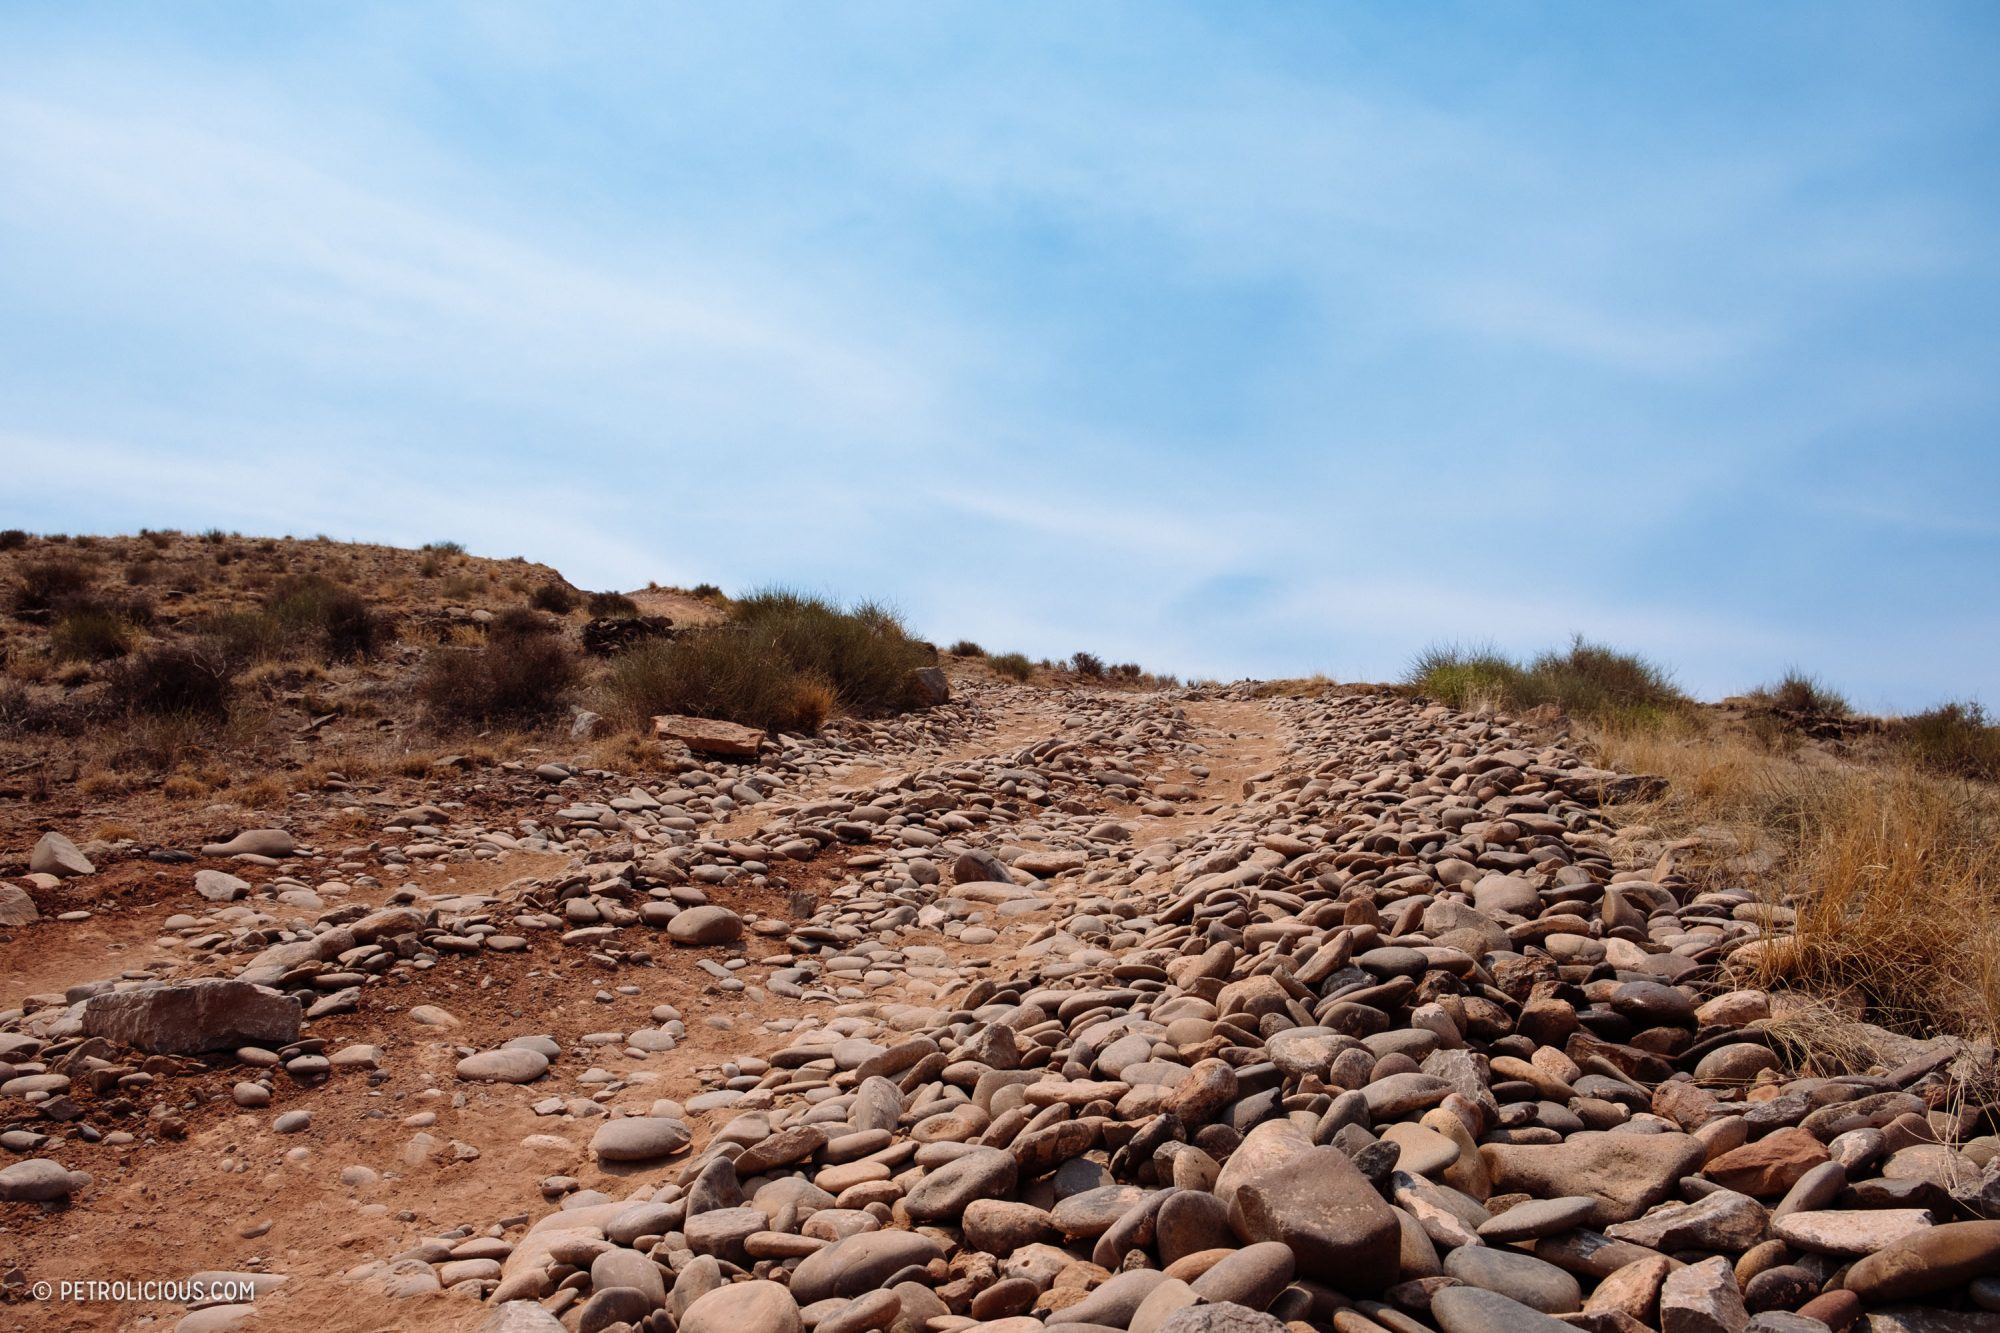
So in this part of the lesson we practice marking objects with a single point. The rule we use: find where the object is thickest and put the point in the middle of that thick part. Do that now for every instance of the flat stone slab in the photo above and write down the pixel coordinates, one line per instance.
(188, 1017)
(707, 736)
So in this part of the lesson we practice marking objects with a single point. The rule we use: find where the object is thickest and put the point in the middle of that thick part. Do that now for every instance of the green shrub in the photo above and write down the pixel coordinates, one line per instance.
(45, 584)
(1589, 680)
(864, 654)
(90, 633)
(781, 661)
(518, 678)
(1015, 665)
(720, 673)
(331, 621)
(555, 598)
(1955, 739)
(617, 604)
(966, 648)
(193, 678)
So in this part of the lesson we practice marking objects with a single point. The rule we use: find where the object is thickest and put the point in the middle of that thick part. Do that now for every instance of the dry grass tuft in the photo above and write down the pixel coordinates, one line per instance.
(1891, 870)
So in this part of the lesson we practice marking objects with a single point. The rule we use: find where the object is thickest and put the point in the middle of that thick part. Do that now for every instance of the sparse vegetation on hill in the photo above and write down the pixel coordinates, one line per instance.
(1015, 666)
(611, 604)
(1954, 739)
(555, 597)
(780, 660)
(1588, 680)
(41, 586)
(522, 675)
(1797, 692)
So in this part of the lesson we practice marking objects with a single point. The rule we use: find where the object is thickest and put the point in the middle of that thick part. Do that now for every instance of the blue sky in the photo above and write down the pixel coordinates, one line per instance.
(1232, 339)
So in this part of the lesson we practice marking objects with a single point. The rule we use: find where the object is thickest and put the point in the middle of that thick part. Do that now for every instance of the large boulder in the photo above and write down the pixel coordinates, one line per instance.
(640, 1138)
(860, 1263)
(39, 1180)
(1625, 1173)
(56, 855)
(1927, 1262)
(253, 842)
(220, 887)
(1315, 1201)
(929, 686)
(16, 907)
(743, 1307)
(707, 736)
(708, 924)
(188, 1017)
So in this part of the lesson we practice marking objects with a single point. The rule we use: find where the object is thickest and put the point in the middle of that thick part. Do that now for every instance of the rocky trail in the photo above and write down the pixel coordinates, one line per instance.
(1180, 1012)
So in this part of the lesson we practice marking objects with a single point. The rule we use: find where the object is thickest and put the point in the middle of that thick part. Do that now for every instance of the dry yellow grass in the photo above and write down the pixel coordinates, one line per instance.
(1892, 871)
(263, 792)
(632, 752)
(1301, 687)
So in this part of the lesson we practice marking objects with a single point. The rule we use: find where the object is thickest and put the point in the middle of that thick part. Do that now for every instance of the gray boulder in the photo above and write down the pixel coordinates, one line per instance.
(58, 856)
(188, 1017)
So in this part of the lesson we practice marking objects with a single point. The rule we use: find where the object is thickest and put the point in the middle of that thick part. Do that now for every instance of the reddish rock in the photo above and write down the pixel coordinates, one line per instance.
(1770, 1166)
(707, 736)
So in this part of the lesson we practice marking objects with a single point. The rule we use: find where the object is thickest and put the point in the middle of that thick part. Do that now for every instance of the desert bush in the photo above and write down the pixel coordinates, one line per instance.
(517, 622)
(1954, 739)
(519, 678)
(707, 592)
(12, 539)
(864, 654)
(247, 637)
(90, 633)
(1014, 665)
(327, 619)
(966, 648)
(159, 540)
(45, 584)
(1797, 692)
(1087, 664)
(1589, 680)
(445, 548)
(461, 588)
(782, 661)
(140, 572)
(553, 597)
(611, 604)
(720, 673)
(193, 677)
(22, 713)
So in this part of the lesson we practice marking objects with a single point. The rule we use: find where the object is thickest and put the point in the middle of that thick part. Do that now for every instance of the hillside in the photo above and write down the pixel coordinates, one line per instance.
(1053, 1004)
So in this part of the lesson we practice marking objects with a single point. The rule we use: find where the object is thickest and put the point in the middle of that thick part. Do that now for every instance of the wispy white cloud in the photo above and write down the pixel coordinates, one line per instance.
(972, 313)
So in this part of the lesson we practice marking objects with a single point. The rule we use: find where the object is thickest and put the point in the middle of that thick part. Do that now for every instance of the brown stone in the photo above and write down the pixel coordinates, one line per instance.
(707, 736)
